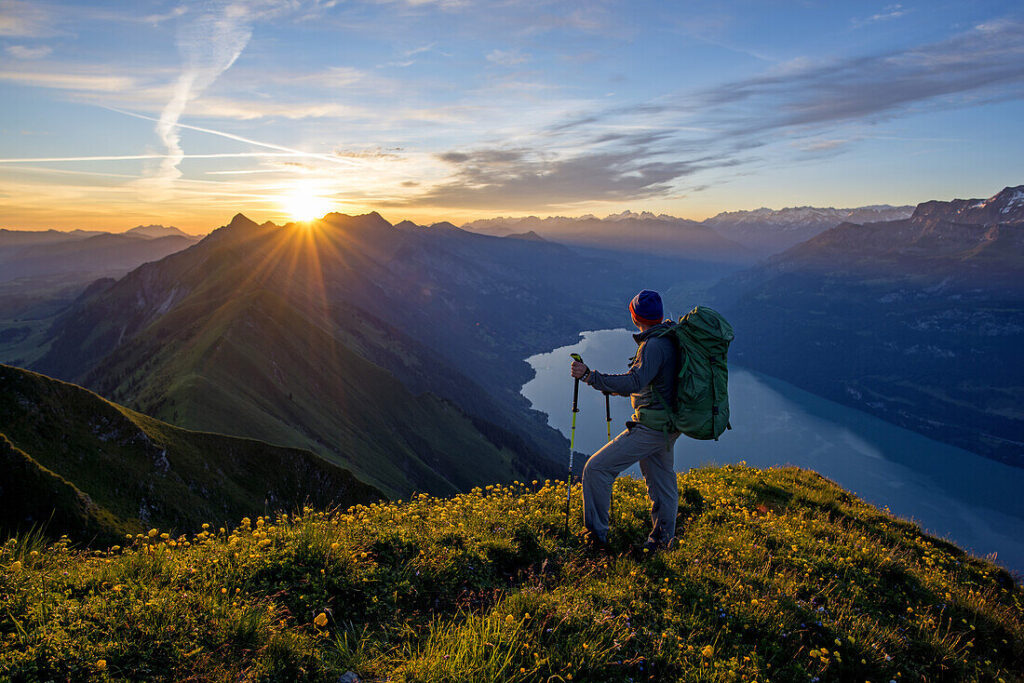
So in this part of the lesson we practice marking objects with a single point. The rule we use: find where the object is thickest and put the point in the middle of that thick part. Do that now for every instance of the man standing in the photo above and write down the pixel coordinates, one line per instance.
(651, 378)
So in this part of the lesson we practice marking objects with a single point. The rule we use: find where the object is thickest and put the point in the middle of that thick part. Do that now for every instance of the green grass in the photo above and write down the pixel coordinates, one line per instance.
(778, 575)
(79, 464)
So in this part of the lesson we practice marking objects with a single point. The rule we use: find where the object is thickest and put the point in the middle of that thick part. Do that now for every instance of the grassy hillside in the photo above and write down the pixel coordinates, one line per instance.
(104, 470)
(778, 575)
(257, 365)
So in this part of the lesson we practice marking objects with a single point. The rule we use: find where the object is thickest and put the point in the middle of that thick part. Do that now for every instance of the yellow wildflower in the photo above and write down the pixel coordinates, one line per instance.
(101, 664)
(321, 620)
(708, 652)
(510, 619)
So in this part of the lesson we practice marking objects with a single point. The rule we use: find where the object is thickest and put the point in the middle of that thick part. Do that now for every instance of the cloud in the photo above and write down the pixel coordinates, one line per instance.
(94, 82)
(157, 19)
(530, 179)
(333, 77)
(25, 52)
(507, 57)
(418, 50)
(888, 12)
(876, 86)
(19, 19)
(646, 150)
(803, 97)
(248, 110)
(823, 145)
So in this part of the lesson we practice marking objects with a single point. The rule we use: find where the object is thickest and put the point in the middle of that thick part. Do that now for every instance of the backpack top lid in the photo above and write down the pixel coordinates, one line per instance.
(708, 329)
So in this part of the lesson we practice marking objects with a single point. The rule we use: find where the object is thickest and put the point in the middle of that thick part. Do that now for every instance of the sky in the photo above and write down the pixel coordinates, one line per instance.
(117, 114)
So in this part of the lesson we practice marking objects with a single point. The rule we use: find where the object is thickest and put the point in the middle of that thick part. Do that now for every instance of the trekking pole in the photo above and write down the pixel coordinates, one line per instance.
(572, 441)
(608, 413)
(608, 419)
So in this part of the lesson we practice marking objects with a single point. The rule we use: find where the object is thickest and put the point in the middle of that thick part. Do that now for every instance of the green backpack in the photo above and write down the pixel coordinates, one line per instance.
(702, 390)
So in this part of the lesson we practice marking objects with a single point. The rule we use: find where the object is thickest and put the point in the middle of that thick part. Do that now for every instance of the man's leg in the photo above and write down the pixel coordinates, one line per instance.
(601, 469)
(662, 488)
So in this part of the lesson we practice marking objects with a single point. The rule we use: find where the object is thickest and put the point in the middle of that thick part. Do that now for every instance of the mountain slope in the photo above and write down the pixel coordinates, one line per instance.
(104, 470)
(918, 321)
(777, 575)
(250, 333)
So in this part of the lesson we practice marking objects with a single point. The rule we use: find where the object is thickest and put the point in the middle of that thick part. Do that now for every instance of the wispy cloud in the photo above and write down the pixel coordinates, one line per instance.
(333, 77)
(876, 86)
(20, 19)
(26, 52)
(92, 80)
(507, 57)
(822, 145)
(888, 12)
(228, 108)
(157, 19)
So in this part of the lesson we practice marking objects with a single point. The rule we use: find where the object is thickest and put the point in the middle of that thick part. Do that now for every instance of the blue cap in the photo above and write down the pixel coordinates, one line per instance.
(646, 307)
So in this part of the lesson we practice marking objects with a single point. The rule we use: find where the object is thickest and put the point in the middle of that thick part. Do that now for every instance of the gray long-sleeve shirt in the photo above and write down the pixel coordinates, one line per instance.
(656, 362)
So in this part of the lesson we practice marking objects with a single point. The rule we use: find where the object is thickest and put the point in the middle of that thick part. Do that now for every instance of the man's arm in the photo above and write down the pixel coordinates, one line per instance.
(652, 356)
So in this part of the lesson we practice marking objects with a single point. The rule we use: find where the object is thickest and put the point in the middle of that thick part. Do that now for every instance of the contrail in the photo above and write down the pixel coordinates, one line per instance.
(209, 45)
(131, 157)
(239, 138)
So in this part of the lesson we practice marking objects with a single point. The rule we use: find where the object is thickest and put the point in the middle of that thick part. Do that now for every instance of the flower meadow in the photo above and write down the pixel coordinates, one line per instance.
(777, 575)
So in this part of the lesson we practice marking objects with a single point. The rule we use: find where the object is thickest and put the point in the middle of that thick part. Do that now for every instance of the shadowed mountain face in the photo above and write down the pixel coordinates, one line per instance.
(93, 469)
(919, 321)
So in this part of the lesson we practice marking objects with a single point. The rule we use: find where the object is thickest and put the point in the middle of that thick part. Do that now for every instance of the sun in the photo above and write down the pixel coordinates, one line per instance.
(305, 203)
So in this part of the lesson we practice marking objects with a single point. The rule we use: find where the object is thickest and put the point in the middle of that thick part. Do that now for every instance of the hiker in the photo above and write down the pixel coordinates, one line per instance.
(645, 441)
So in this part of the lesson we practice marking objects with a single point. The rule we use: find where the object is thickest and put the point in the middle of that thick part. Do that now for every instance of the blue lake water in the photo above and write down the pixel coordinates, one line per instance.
(952, 493)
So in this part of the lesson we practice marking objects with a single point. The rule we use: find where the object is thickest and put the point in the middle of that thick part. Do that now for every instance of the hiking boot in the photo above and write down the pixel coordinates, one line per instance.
(595, 544)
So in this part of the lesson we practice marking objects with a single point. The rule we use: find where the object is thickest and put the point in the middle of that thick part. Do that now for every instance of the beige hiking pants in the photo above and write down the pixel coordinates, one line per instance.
(649, 448)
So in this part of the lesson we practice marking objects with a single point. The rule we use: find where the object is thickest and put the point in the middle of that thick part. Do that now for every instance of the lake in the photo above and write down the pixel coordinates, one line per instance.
(950, 492)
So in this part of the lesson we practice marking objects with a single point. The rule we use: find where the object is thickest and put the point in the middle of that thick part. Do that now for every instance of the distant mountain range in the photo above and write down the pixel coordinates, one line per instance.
(627, 232)
(734, 236)
(768, 231)
(919, 321)
(88, 253)
(75, 463)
